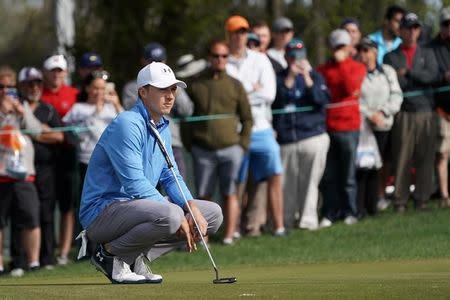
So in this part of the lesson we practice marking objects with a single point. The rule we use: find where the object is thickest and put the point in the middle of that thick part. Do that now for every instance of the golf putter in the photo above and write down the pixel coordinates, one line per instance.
(171, 167)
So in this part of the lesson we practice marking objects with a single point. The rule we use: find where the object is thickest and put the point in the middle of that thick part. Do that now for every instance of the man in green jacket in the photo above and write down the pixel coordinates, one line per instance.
(218, 144)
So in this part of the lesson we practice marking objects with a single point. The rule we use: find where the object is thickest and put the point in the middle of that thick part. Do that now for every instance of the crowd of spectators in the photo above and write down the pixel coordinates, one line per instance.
(289, 145)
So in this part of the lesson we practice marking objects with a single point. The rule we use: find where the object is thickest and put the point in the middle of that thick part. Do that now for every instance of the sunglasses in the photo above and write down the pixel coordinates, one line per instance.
(215, 55)
(2, 86)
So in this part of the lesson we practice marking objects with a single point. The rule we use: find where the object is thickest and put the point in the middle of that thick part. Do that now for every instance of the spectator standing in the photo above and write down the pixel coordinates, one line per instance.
(89, 62)
(282, 33)
(441, 47)
(353, 27)
(344, 77)
(93, 113)
(381, 98)
(62, 97)
(17, 173)
(302, 135)
(31, 87)
(415, 124)
(387, 38)
(254, 71)
(262, 30)
(218, 145)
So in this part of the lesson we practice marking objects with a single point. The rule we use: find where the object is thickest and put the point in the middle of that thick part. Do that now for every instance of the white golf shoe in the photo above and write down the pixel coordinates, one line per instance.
(141, 268)
(121, 273)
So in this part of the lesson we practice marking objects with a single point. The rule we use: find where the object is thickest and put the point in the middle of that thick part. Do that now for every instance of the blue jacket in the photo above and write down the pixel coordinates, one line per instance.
(383, 49)
(296, 126)
(128, 164)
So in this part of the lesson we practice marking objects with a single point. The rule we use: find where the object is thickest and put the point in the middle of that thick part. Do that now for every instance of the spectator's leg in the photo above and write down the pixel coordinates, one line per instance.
(26, 213)
(293, 187)
(313, 152)
(348, 144)
(329, 184)
(442, 160)
(228, 163)
(45, 181)
(424, 157)
(403, 132)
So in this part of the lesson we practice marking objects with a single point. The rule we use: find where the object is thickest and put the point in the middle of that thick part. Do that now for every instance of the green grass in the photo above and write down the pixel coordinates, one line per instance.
(390, 256)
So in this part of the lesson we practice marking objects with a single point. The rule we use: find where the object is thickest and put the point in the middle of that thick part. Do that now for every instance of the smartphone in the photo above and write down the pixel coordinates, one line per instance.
(12, 92)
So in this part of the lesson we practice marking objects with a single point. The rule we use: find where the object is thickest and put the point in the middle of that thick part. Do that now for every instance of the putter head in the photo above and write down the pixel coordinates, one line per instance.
(225, 280)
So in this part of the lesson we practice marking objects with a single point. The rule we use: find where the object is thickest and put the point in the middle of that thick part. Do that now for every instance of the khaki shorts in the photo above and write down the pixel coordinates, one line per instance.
(444, 135)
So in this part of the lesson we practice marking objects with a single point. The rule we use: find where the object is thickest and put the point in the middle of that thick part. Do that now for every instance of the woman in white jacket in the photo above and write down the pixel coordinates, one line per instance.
(381, 98)
(96, 109)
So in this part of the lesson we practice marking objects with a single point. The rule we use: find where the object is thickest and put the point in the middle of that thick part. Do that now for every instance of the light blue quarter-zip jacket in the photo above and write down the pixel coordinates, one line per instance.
(128, 164)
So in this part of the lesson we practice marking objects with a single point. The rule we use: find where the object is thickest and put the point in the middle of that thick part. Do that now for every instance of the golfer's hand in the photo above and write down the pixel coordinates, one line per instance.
(185, 232)
(202, 224)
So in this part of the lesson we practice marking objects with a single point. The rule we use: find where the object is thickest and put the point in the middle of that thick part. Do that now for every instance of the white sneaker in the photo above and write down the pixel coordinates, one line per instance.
(62, 260)
(383, 204)
(121, 273)
(350, 220)
(17, 272)
(141, 268)
(325, 223)
(227, 242)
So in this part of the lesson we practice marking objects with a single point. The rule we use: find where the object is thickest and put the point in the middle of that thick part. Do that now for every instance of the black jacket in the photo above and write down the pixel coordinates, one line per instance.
(441, 49)
(296, 126)
(419, 79)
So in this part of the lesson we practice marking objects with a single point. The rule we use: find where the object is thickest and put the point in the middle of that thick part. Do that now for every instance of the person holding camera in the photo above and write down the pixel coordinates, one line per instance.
(301, 134)
(17, 173)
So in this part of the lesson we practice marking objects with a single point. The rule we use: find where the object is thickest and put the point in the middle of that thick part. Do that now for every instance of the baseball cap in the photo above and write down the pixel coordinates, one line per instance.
(367, 43)
(90, 59)
(281, 24)
(339, 37)
(235, 23)
(409, 20)
(296, 49)
(253, 38)
(55, 62)
(29, 74)
(159, 75)
(154, 52)
(445, 14)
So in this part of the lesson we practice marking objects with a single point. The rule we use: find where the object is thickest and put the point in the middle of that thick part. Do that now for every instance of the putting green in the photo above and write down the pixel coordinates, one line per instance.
(412, 279)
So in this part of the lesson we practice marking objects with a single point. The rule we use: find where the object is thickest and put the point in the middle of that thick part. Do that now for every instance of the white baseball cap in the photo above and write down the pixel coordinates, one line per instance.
(339, 37)
(55, 62)
(29, 74)
(159, 75)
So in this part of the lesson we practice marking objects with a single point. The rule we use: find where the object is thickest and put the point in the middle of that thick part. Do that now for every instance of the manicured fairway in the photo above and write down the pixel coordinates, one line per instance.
(418, 279)
(387, 257)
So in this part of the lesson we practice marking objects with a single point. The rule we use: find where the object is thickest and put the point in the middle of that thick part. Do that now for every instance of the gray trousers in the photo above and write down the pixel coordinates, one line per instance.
(133, 227)
(414, 138)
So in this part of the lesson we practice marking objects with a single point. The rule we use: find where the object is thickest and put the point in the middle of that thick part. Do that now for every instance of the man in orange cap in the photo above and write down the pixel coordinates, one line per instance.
(254, 70)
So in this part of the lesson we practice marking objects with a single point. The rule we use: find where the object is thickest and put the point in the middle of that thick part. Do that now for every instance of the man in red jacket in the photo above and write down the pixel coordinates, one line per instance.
(344, 77)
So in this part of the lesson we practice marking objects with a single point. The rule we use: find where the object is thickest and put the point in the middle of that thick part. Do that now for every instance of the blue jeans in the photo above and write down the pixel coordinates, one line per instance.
(338, 184)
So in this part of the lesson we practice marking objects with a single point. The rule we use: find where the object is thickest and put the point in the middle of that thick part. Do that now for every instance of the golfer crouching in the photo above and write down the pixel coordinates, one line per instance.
(121, 209)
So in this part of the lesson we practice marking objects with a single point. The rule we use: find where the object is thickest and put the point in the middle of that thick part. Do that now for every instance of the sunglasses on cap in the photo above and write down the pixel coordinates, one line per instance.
(101, 74)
